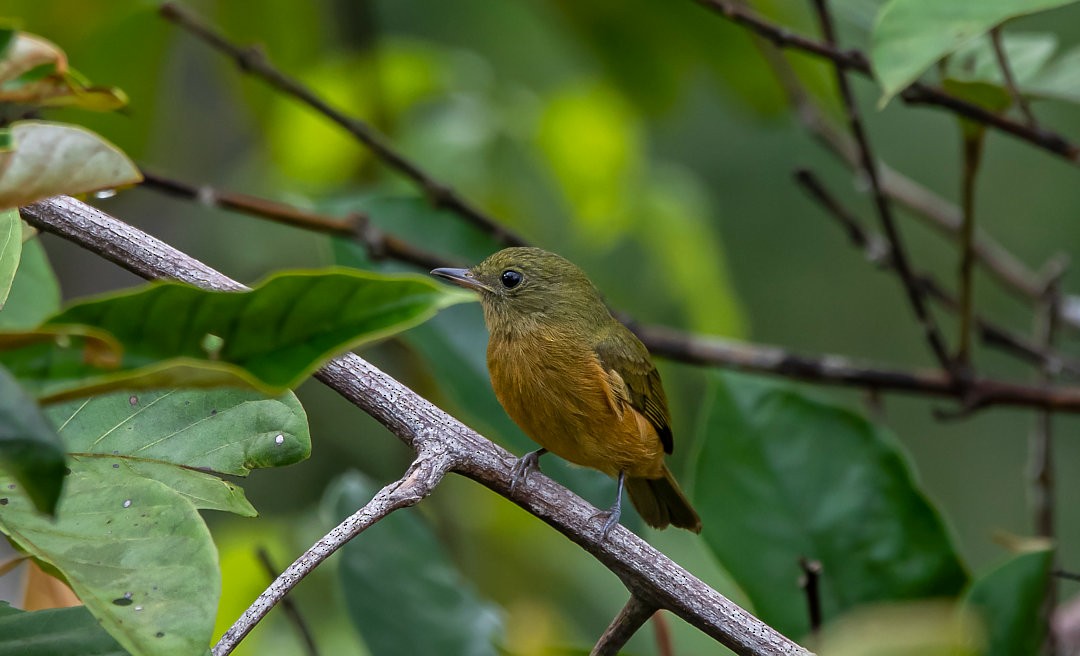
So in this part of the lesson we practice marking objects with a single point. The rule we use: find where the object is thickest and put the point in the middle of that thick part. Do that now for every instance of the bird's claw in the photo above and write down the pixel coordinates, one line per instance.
(611, 519)
(524, 465)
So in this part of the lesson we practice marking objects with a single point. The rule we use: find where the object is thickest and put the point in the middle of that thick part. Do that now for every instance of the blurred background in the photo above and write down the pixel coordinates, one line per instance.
(646, 141)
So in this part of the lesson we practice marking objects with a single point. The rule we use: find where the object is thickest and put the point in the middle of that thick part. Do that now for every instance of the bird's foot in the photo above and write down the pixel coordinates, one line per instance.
(611, 519)
(525, 464)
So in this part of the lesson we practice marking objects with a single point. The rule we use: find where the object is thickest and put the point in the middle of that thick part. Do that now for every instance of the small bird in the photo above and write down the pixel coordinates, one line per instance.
(576, 380)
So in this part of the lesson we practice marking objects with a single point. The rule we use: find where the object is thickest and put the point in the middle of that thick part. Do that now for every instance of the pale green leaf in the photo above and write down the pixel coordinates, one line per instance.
(53, 158)
(10, 250)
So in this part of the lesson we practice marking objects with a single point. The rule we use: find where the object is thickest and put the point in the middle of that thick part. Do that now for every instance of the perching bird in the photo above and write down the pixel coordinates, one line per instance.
(576, 380)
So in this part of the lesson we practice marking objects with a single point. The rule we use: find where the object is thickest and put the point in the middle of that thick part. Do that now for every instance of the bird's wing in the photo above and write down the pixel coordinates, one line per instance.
(623, 354)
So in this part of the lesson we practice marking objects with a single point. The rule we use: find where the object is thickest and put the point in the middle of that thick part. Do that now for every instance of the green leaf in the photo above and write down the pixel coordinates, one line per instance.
(271, 337)
(1010, 599)
(10, 250)
(224, 431)
(782, 476)
(35, 292)
(403, 593)
(56, 632)
(910, 35)
(30, 450)
(53, 158)
(128, 537)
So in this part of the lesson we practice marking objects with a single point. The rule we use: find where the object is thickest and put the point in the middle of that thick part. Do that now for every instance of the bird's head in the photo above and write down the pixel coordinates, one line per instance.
(531, 285)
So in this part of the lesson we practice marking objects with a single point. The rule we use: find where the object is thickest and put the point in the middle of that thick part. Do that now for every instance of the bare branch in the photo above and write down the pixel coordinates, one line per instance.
(916, 94)
(869, 165)
(877, 252)
(631, 618)
(287, 605)
(1010, 82)
(648, 573)
(418, 482)
(254, 61)
(972, 146)
(356, 226)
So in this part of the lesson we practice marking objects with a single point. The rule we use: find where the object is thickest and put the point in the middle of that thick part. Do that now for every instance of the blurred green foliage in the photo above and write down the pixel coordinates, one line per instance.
(649, 143)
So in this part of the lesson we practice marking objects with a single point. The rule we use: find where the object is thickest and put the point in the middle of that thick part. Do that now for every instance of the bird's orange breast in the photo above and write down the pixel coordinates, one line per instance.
(560, 395)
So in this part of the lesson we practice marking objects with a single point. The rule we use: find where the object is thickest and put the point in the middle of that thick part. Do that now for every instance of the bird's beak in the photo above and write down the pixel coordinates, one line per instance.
(461, 277)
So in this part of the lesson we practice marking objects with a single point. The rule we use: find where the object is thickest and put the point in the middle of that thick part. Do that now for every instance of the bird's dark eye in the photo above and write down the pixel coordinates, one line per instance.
(510, 278)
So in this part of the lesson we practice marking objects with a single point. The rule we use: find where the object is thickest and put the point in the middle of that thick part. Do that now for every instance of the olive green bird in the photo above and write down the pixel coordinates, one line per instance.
(576, 380)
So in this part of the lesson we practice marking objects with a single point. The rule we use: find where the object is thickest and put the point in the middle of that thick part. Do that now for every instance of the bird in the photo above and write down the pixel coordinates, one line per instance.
(576, 380)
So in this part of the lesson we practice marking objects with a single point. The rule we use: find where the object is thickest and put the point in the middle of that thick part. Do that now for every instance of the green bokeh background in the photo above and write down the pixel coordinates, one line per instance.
(647, 142)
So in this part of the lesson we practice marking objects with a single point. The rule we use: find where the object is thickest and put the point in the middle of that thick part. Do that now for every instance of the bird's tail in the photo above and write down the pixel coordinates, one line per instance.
(660, 502)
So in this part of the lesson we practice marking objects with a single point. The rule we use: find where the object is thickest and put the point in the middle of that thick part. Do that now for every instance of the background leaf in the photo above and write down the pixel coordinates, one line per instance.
(52, 158)
(1010, 600)
(781, 476)
(30, 450)
(910, 35)
(57, 632)
(35, 292)
(404, 595)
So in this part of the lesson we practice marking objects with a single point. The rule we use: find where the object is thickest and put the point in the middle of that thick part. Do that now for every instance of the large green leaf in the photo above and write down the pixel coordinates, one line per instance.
(128, 537)
(782, 476)
(53, 158)
(30, 450)
(1010, 599)
(35, 292)
(910, 35)
(272, 337)
(1059, 79)
(56, 632)
(10, 250)
(404, 595)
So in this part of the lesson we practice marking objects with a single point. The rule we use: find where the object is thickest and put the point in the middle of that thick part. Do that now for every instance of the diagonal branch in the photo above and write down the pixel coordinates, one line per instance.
(254, 61)
(379, 245)
(418, 482)
(631, 618)
(1010, 82)
(434, 434)
(869, 164)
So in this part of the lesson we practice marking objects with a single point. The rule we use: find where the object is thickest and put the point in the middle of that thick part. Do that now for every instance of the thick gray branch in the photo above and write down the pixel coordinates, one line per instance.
(646, 572)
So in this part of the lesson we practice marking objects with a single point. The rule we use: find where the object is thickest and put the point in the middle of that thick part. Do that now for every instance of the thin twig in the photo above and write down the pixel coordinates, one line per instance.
(662, 634)
(810, 583)
(1010, 82)
(972, 146)
(877, 252)
(427, 429)
(357, 226)
(418, 482)
(287, 605)
(254, 61)
(884, 209)
(916, 94)
(631, 618)
(1062, 574)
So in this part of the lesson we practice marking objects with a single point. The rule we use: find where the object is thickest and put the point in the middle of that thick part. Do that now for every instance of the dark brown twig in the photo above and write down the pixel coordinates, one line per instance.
(1010, 82)
(1062, 574)
(916, 94)
(357, 226)
(631, 618)
(810, 583)
(972, 146)
(252, 60)
(869, 165)
(287, 605)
